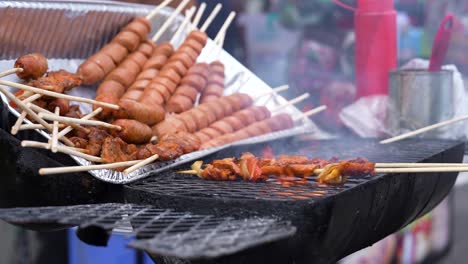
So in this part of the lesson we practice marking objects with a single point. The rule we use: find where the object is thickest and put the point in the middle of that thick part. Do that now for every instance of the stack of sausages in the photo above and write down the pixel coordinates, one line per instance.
(186, 94)
(204, 115)
(118, 80)
(275, 123)
(215, 87)
(96, 68)
(148, 109)
(234, 122)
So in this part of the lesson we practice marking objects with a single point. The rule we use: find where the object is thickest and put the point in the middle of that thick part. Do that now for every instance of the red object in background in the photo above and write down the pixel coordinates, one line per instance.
(376, 45)
(441, 43)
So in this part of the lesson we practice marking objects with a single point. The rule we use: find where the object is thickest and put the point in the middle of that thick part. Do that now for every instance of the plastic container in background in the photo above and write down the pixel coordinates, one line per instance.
(376, 45)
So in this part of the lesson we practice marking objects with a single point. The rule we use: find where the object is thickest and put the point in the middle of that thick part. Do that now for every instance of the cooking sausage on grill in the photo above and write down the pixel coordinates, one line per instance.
(132, 131)
(34, 65)
(148, 114)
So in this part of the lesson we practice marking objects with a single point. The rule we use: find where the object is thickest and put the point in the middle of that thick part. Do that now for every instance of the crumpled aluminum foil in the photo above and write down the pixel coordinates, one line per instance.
(75, 30)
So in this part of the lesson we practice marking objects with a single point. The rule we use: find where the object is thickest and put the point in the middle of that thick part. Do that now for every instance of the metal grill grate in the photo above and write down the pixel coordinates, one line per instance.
(160, 231)
(173, 184)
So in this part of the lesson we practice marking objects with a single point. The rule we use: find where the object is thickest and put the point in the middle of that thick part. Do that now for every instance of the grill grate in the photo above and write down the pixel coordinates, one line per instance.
(173, 184)
(159, 231)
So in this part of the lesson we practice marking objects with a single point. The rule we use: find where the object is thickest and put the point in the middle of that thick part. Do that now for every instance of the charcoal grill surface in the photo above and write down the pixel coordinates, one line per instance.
(159, 231)
(332, 221)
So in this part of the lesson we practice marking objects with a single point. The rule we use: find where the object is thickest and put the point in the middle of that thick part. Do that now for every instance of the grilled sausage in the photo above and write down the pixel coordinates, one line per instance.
(151, 97)
(161, 89)
(178, 66)
(189, 122)
(148, 114)
(116, 51)
(34, 65)
(111, 87)
(104, 61)
(128, 39)
(147, 74)
(106, 113)
(140, 27)
(63, 104)
(179, 104)
(90, 72)
(199, 117)
(139, 85)
(132, 131)
(134, 95)
(125, 74)
(222, 126)
(171, 125)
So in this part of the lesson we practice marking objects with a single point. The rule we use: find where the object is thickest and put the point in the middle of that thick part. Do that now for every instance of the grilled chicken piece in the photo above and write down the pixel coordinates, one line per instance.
(57, 81)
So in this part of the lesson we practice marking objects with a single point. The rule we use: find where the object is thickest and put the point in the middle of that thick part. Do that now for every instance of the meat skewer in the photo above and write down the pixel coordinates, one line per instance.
(250, 168)
(57, 95)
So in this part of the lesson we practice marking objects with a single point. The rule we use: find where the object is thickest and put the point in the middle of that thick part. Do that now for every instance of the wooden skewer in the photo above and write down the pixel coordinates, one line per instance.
(86, 117)
(70, 120)
(40, 110)
(419, 165)
(54, 139)
(200, 11)
(62, 149)
(220, 46)
(166, 24)
(188, 15)
(58, 95)
(19, 121)
(311, 112)
(141, 164)
(424, 129)
(10, 72)
(292, 102)
(211, 17)
(225, 26)
(46, 171)
(35, 126)
(31, 113)
(157, 9)
(272, 91)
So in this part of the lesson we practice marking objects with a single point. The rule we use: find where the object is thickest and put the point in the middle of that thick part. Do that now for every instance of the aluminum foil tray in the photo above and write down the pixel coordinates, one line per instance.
(68, 32)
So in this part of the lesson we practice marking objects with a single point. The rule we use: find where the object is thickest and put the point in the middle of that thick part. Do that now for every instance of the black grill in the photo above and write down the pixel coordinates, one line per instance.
(160, 231)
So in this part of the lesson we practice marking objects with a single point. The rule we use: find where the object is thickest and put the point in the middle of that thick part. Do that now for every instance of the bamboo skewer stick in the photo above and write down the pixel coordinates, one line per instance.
(62, 149)
(211, 17)
(54, 139)
(58, 95)
(272, 91)
(40, 110)
(35, 126)
(292, 102)
(141, 164)
(19, 121)
(156, 10)
(199, 14)
(57, 170)
(225, 26)
(70, 120)
(10, 72)
(168, 22)
(188, 15)
(311, 112)
(424, 129)
(86, 117)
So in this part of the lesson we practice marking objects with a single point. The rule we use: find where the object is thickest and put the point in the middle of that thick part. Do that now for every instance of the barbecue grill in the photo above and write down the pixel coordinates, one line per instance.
(331, 221)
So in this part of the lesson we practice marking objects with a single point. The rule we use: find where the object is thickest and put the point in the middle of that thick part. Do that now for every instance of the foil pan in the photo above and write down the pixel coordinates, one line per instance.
(69, 32)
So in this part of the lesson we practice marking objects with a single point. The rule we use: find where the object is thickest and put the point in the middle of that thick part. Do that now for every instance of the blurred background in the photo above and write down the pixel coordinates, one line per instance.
(308, 44)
